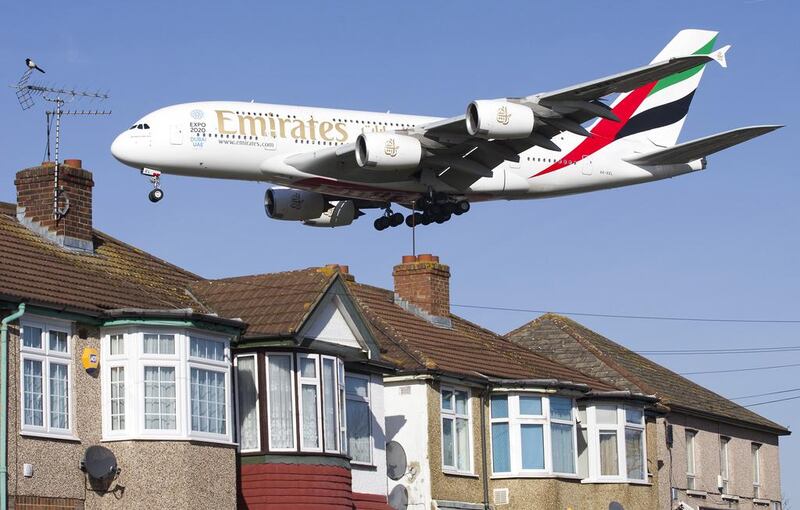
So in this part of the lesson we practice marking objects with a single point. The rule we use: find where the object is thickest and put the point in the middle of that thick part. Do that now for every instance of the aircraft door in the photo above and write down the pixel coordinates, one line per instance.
(586, 165)
(176, 134)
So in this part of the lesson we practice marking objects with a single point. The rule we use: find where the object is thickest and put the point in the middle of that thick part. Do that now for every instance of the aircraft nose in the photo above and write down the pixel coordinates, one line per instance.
(121, 149)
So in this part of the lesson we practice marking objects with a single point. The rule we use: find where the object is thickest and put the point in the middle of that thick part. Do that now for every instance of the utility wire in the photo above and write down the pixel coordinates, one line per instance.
(746, 350)
(771, 401)
(765, 394)
(747, 369)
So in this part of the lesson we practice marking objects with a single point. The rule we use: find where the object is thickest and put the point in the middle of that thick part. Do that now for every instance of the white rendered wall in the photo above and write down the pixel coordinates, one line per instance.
(372, 479)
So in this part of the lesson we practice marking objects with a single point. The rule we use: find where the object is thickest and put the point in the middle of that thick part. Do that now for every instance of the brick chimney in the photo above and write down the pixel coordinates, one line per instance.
(425, 283)
(35, 203)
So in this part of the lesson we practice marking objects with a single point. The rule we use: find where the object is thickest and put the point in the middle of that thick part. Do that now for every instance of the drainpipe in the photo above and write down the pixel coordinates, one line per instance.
(4, 404)
(484, 461)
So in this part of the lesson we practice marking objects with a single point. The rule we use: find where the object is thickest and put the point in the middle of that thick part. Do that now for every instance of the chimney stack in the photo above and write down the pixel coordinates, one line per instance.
(35, 203)
(425, 283)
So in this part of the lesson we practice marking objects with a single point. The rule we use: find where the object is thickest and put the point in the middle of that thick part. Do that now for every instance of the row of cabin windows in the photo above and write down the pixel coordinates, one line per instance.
(351, 121)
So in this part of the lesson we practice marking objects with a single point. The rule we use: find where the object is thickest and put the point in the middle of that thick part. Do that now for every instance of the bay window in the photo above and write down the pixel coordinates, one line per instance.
(532, 435)
(166, 384)
(45, 377)
(616, 443)
(456, 440)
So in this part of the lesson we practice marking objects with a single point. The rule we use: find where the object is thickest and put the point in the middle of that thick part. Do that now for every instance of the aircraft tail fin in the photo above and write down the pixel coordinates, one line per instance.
(655, 112)
(700, 148)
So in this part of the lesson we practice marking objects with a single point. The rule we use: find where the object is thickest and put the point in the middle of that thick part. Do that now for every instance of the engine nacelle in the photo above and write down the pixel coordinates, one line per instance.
(341, 214)
(293, 204)
(388, 151)
(499, 119)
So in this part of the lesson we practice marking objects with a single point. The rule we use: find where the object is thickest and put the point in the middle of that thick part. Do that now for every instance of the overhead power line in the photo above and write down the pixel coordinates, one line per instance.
(765, 394)
(771, 401)
(745, 350)
(746, 369)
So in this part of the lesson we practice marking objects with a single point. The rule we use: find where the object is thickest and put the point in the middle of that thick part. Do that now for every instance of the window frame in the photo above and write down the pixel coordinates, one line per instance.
(755, 452)
(338, 446)
(691, 467)
(309, 381)
(724, 463)
(594, 429)
(47, 356)
(295, 438)
(238, 403)
(453, 415)
(367, 400)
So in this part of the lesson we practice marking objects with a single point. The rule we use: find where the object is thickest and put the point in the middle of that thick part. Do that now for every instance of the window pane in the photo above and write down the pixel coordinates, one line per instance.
(208, 401)
(563, 452)
(207, 349)
(501, 448)
(532, 439)
(606, 415)
(33, 393)
(448, 455)
(633, 415)
(690, 451)
(117, 345)
(117, 398)
(609, 462)
(561, 408)
(461, 402)
(248, 401)
(530, 406)
(754, 449)
(583, 453)
(160, 409)
(58, 341)
(447, 399)
(634, 453)
(329, 403)
(281, 407)
(308, 368)
(159, 344)
(357, 386)
(32, 337)
(358, 430)
(309, 403)
(462, 444)
(499, 405)
(59, 396)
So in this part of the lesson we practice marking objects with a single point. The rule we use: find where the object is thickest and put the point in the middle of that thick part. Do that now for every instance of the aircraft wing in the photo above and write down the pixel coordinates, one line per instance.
(700, 148)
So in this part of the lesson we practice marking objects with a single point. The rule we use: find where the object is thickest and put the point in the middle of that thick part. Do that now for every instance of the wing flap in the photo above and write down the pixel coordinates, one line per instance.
(702, 147)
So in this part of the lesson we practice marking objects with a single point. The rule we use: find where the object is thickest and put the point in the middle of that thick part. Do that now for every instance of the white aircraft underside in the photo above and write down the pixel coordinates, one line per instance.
(330, 164)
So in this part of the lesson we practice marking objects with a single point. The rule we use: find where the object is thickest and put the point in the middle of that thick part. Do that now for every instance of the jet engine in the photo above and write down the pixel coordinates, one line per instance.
(388, 151)
(293, 204)
(340, 214)
(499, 119)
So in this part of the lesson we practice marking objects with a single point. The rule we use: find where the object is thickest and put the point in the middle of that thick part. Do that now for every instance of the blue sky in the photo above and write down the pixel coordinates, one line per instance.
(719, 243)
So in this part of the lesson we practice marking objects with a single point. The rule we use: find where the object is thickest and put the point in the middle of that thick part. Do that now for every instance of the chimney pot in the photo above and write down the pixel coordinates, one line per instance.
(409, 259)
(74, 163)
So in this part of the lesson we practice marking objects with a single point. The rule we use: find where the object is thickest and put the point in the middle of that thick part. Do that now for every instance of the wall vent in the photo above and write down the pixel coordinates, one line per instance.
(405, 390)
(501, 496)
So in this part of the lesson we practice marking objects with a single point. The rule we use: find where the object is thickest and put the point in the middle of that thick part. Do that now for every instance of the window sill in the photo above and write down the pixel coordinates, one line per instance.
(696, 493)
(196, 440)
(459, 473)
(48, 435)
(759, 501)
(729, 497)
(363, 465)
(617, 481)
(504, 476)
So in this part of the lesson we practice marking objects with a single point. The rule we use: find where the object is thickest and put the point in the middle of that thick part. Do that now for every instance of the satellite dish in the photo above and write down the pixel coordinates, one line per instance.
(100, 463)
(398, 498)
(396, 463)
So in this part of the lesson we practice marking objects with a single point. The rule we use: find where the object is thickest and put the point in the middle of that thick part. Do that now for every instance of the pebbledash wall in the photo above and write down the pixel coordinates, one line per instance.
(155, 474)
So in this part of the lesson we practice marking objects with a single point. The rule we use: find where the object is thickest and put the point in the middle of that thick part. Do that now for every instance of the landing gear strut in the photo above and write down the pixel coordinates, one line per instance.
(437, 208)
(155, 179)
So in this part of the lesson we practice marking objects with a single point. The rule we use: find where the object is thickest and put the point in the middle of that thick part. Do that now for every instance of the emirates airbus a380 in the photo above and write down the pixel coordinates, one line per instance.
(329, 165)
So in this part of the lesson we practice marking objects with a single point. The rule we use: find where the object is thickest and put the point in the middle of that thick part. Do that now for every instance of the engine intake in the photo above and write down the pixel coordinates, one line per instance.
(341, 214)
(388, 151)
(499, 119)
(293, 204)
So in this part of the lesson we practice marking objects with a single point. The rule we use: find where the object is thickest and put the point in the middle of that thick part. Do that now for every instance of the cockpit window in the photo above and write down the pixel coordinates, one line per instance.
(139, 126)
(146, 126)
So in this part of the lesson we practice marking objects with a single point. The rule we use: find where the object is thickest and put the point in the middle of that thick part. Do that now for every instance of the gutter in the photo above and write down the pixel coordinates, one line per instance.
(4, 404)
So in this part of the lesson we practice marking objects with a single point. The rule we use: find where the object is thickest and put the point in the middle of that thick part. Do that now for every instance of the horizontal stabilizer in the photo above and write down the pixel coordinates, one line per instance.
(696, 149)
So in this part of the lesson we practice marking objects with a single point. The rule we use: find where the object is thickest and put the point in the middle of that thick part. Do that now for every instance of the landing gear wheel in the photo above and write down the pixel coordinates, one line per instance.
(414, 219)
(156, 195)
(461, 207)
(441, 218)
(426, 219)
(396, 219)
(382, 223)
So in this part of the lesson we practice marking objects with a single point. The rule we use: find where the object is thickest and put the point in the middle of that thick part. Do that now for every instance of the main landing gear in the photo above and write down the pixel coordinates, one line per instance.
(155, 179)
(435, 208)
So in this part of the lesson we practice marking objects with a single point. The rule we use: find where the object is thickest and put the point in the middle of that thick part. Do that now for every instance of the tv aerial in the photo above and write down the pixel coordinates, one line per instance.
(59, 98)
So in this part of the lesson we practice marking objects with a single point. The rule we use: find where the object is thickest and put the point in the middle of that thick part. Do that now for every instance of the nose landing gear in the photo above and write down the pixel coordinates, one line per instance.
(155, 179)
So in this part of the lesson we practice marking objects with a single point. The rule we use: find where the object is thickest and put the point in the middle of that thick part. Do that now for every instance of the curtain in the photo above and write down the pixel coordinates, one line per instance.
(358, 430)
(32, 389)
(160, 406)
(309, 403)
(532, 438)
(208, 401)
(501, 448)
(329, 403)
(117, 398)
(530, 406)
(609, 462)
(634, 454)
(462, 444)
(32, 337)
(58, 341)
(563, 452)
(248, 400)
(59, 396)
(280, 402)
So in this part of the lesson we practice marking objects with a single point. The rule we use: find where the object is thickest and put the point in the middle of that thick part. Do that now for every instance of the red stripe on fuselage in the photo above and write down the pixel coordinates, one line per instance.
(605, 131)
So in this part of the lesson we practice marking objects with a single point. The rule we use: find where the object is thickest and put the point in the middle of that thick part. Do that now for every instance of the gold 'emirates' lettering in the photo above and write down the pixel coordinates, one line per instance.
(279, 127)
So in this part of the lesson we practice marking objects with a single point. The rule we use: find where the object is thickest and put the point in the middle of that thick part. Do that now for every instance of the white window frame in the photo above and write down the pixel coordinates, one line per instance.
(258, 401)
(515, 421)
(337, 447)
(46, 357)
(292, 363)
(724, 463)
(367, 400)
(755, 452)
(309, 381)
(134, 360)
(691, 467)
(594, 429)
(453, 415)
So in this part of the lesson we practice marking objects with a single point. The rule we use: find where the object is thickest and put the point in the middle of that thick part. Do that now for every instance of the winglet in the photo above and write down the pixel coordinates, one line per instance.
(719, 55)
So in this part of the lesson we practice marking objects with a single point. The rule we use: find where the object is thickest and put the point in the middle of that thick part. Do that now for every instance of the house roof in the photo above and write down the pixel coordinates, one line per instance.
(273, 305)
(466, 349)
(116, 275)
(564, 340)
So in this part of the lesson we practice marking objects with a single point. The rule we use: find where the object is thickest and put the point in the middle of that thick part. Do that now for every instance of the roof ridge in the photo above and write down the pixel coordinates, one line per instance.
(256, 275)
(113, 239)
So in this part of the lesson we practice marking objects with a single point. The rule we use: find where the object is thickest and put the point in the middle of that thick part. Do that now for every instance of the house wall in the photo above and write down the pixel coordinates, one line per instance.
(407, 423)
(707, 460)
(154, 474)
(372, 479)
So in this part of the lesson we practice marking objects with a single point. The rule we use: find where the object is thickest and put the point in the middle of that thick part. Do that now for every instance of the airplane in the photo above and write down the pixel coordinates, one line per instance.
(328, 166)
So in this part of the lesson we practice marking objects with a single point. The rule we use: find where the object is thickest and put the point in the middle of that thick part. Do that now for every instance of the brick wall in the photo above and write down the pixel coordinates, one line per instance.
(40, 503)
(424, 282)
